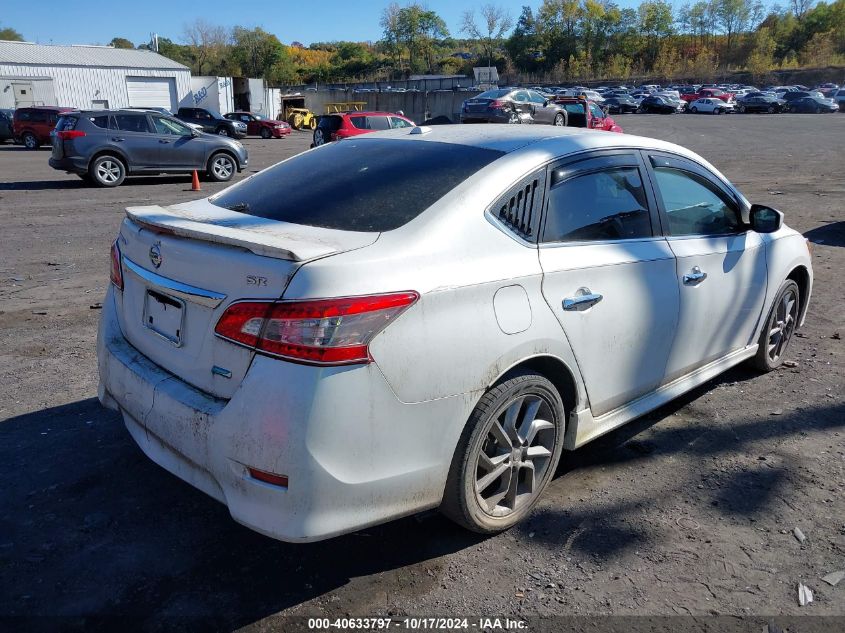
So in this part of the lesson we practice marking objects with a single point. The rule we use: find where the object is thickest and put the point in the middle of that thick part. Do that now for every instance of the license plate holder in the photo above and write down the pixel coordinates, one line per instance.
(164, 316)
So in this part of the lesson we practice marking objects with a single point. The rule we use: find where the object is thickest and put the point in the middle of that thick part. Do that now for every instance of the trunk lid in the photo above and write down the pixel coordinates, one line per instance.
(478, 105)
(184, 265)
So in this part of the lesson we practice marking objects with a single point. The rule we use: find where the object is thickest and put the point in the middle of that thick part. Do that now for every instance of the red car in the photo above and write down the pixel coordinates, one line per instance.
(708, 93)
(582, 112)
(257, 125)
(32, 126)
(334, 127)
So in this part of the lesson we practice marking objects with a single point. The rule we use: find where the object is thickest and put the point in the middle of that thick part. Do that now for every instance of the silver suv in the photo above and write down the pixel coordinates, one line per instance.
(104, 146)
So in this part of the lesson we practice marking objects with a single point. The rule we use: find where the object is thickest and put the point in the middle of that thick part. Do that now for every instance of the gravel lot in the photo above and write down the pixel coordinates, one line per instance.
(690, 510)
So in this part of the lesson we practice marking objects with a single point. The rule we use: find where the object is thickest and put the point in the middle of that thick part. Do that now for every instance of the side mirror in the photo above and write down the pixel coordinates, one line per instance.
(546, 103)
(765, 219)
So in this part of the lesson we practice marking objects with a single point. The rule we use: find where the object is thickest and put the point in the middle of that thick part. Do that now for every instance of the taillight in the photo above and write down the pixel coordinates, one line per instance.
(497, 104)
(66, 135)
(318, 331)
(116, 273)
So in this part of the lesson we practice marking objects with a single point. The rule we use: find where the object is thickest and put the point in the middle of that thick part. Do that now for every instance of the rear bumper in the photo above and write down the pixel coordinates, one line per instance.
(70, 165)
(354, 454)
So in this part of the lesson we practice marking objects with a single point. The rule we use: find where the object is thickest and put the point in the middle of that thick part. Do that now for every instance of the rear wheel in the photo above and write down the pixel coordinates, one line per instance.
(559, 119)
(265, 133)
(221, 167)
(507, 454)
(513, 117)
(313, 123)
(770, 109)
(319, 139)
(779, 328)
(742, 109)
(30, 141)
(107, 171)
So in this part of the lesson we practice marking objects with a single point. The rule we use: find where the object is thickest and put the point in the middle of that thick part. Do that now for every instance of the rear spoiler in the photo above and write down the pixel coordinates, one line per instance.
(170, 221)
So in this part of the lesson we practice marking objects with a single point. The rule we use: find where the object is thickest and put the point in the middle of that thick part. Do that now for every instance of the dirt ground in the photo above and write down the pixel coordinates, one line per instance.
(688, 511)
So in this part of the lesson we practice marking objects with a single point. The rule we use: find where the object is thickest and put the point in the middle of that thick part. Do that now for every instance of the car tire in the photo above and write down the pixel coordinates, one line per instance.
(222, 131)
(107, 171)
(694, 110)
(516, 428)
(793, 110)
(313, 123)
(221, 167)
(265, 133)
(319, 138)
(779, 328)
(513, 118)
(742, 109)
(770, 109)
(30, 141)
(560, 120)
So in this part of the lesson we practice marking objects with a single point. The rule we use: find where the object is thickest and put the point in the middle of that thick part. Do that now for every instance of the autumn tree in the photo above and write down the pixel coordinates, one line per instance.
(495, 22)
(205, 42)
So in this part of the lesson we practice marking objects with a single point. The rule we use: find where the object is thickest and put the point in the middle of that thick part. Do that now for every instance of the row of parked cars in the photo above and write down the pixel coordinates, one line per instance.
(104, 146)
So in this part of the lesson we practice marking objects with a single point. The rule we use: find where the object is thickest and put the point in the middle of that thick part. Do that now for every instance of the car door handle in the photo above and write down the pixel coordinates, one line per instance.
(117, 139)
(161, 140)
(583, 299)
(694, 277)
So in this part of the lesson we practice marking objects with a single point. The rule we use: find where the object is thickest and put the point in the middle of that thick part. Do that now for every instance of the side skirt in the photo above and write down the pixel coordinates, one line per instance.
(583, 427)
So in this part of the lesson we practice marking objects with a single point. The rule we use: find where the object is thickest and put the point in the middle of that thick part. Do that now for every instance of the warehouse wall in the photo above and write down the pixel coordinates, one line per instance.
(77, 87)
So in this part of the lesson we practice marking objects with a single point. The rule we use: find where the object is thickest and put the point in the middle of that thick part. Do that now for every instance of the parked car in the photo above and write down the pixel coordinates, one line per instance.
(710, 105)
(6, 117)
(794, 95)
(707, 93)
(426, 350)
(105, 146)
(812, 105)
(581, 112)
(659, 105)
(620, 104)
(761, 104)
(212, 122)
(518, 105)
(257, 125)
(840, 99)
(341, 125)
(32, 126)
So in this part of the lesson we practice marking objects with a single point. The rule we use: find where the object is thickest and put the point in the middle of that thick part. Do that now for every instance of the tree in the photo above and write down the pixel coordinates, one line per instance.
(733, 16)
(392, 33)
(121, 42)
(205, 43)
(418, 27)
(10, 34)
(762, 56)
(495, 22)
(256, 51)
(524, 44)
(655, 24)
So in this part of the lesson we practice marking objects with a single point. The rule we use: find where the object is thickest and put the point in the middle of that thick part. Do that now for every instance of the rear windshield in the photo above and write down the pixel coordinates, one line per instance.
(493, 94)
(331, 123)
(66, 123)
(357, 184)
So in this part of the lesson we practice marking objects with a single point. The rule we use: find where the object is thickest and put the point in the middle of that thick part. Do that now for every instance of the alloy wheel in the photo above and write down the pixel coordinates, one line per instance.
(515, 455)
(108, 171)
(318, 137)
(223, 132)
(559, 120)
(782, 325)
(30, 142)
(222, 167)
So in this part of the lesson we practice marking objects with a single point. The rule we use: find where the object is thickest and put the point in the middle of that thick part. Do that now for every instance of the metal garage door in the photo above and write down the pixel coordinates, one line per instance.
(152, 92)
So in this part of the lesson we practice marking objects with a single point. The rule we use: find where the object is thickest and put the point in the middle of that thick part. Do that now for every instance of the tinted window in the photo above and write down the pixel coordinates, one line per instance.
(693, 206)
(65, 123)
(100, 121)
(359, 184)
(605, 205)
(493, 94)
(330, 123)
(132, 122)
(359, 121)
(378, 123)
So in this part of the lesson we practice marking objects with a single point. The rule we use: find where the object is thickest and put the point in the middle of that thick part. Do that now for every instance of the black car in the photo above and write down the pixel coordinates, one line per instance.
(6, 117)
(104, 146)
(512, 105)
(620, 104)
(659, 105)
(212, 122)
(800, 94)
(813, 105)
(761, 104)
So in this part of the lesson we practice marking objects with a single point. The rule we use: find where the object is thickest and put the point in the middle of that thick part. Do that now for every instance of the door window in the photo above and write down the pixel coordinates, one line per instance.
(168, 126)
(359, 122)
(693, 206)
(132, 123)
(604, 205)
(596, 111)
(396, 122)
(378, 123)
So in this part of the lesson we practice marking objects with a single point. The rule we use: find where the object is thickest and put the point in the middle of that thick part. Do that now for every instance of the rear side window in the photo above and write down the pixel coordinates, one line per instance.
(101, 121)
(66, 123)
(359, 122)
(604, 205)
(357, 184)
(132, 122)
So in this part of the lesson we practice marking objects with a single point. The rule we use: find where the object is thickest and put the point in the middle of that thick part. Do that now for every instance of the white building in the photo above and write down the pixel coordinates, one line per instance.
(88, 77)
(227, 94)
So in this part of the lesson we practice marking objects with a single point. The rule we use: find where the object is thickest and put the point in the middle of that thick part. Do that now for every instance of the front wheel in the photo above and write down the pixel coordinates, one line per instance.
(222, 131)
(313, 123)
(265, 133)
(779, 328)
(560, 121)
(507, 454)
(770, 109)
(221, 167)
(319, 139)
(694, 110)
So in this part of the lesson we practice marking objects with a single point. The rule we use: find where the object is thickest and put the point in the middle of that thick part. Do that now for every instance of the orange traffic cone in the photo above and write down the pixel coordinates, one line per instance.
(195, 183)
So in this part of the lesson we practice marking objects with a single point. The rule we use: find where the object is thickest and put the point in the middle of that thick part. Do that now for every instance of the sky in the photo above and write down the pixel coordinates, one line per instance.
(58, 22)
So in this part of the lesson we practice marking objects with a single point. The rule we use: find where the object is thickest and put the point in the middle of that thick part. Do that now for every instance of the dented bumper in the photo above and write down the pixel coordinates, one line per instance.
(353, 453)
